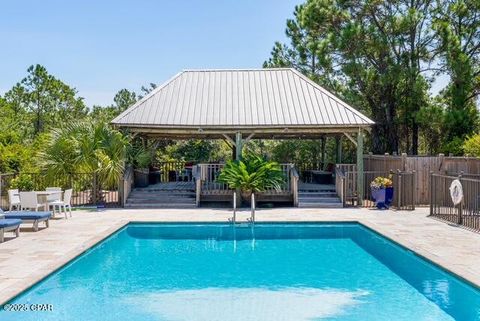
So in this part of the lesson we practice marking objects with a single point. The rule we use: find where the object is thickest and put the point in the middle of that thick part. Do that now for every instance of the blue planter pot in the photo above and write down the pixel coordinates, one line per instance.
(383, 197)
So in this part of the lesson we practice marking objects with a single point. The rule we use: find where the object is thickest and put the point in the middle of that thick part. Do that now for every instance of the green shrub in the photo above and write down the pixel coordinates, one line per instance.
(23, 182)
(471, 146)
(251, 175)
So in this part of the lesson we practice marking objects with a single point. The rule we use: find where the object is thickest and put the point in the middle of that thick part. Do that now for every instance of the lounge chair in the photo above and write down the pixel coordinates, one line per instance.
(7, 225)
(30, 217)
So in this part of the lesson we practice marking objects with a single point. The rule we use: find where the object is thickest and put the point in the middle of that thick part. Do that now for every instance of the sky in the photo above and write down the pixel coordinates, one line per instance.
(99, 47)
(102, 46)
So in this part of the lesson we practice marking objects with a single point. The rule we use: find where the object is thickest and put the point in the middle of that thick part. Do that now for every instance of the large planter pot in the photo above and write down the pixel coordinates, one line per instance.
(246, 198)
(140, 177)
(383, 197)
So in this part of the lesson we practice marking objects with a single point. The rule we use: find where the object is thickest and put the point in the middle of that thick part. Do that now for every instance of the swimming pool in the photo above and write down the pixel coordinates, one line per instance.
(200, 272)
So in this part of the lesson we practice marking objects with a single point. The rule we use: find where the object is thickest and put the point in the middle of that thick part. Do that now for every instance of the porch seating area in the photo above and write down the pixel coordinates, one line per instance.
(271, 104)
(203, 188)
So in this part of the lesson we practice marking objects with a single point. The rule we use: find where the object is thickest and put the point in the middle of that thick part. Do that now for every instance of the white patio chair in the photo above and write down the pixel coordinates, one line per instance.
(66, 203)
(13, 199)
(29, 200)
(54, 198)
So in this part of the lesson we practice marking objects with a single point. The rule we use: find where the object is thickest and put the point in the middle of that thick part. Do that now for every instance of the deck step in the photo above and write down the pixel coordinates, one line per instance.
(169, 195)
(319, 199)
(318, 194)
(163, 195)
(320, 205)
(312, 197)
(160, 201)
(161, 205)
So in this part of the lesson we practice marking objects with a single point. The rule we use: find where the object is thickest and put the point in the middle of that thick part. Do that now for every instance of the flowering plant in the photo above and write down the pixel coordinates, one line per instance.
(381, 182)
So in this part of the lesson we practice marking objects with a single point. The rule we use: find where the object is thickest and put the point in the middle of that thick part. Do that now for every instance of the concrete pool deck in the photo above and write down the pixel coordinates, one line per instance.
(34, 255)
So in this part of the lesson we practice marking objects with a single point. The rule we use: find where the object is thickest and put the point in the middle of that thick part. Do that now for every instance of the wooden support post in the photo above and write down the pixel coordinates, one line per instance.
(360, 167)
(338, 145)
(238, 146)
(238, 156)
(323, 152)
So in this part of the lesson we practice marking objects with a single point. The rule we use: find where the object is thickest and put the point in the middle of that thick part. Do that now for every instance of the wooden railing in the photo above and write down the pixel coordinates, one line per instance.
(340, 186)
(207, 181)
(175, 171)
(286, 188)
(126, 183)
(209, 184)
(343, 168)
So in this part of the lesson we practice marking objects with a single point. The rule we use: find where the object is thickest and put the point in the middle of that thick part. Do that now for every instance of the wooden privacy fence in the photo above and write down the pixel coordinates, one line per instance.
(423, 166)
(346, 176)
(467, 213)
(87, 189)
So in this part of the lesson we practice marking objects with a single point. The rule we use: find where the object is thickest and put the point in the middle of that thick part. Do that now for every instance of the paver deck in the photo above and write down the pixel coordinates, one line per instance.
(32, 256)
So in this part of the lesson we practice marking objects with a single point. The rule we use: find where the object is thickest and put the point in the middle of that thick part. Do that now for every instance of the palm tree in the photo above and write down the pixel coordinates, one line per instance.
(86, 147)
(252, 175)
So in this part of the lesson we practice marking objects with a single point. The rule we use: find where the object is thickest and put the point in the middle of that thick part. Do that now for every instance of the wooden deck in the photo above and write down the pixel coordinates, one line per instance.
(170, 186)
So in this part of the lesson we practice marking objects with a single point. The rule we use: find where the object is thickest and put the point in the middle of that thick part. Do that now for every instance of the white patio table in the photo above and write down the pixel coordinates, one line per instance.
(42, 196)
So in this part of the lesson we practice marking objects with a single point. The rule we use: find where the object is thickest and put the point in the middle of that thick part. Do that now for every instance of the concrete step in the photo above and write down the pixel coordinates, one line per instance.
(163, 196)
(319, 199)
(161, 205)
(159, 190)
(317, 194)
(320, 205)
(162, 192)
(160, 201)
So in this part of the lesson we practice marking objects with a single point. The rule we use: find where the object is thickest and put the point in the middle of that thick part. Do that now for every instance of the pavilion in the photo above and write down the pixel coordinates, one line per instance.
(238, 105)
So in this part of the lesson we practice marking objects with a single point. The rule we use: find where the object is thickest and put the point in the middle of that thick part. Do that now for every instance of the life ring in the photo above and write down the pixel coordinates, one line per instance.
(456, 192)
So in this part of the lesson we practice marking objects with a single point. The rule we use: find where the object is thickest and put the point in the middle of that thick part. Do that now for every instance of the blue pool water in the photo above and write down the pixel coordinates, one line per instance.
(209, 272)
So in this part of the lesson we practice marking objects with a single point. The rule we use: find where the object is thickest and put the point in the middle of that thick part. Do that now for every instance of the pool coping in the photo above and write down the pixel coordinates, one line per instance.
(52, 267)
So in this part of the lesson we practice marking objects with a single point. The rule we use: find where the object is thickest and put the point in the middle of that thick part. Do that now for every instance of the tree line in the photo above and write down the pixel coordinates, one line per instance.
(384, 56)
(380, 56)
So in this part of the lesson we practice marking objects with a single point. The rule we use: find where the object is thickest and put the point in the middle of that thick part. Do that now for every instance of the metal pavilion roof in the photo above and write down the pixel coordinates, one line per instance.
(270, 101)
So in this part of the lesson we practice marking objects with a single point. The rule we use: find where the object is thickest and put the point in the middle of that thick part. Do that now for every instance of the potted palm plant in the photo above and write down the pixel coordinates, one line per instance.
(141, 158)
(252, 175)
(382, 191)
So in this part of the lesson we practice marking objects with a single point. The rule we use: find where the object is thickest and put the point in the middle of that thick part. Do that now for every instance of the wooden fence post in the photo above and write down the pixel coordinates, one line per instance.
(404, 161)
(442, 159)
(360, 178)
(385, 162)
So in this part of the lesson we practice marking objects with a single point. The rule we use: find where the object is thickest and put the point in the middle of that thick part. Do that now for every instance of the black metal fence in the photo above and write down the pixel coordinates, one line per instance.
(467, 213)
(403, 187)
(88, 190)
